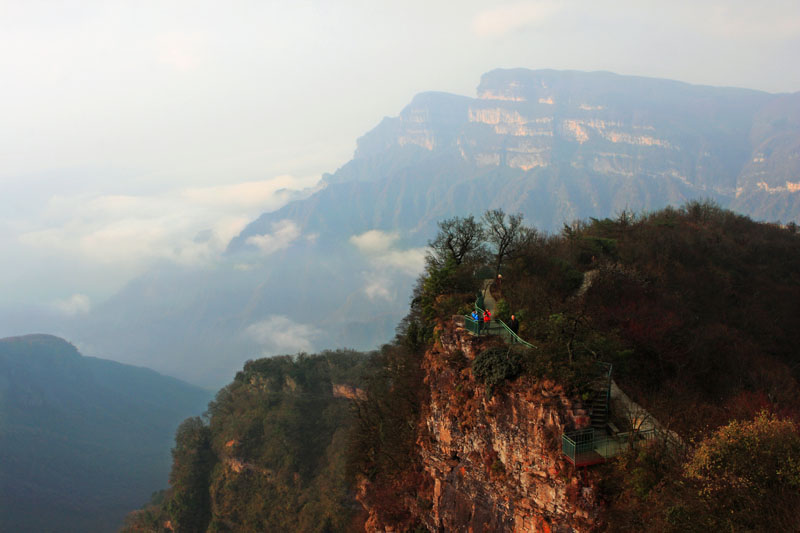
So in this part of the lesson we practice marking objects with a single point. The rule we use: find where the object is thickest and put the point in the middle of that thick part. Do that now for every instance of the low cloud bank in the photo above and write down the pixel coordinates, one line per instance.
(283, 233)
(77, 304)
(277, 334)
(387, 261)
(188, 226)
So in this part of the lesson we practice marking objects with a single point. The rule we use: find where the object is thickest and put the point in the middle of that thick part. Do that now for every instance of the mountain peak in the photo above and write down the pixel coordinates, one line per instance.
(26, 345)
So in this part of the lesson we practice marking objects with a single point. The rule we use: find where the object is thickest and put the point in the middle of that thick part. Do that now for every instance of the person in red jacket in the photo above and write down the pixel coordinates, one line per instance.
(487, 317)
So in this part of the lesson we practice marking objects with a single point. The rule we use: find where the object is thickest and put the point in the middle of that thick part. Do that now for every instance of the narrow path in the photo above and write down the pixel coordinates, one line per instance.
(488, 299)
(638, 417)
(588, 279)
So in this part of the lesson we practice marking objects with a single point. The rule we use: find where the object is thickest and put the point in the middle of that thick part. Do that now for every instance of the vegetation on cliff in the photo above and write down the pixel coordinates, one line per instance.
(744, 476)
(697, 308)
(268, 455)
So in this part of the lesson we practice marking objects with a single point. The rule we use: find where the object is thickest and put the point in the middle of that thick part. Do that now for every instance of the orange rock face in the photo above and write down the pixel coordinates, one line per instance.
(348, 391)
(495, 462)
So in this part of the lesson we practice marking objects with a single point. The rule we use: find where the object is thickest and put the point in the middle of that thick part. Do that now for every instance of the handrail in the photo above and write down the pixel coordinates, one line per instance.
(514, 337)
(470, 324)
(585, 447)
(609, 368)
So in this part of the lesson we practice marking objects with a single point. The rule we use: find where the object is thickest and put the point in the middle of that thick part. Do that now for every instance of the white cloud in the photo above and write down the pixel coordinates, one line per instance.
(189, 226)
(278, 334)
(283, 233)
(373, 241)
(410, 261)
(266, 195)
(378, 288)
(379, 247)
(77, 304)
(501, 20)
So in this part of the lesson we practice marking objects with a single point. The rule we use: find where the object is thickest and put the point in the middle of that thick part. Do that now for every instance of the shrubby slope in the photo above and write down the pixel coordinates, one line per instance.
(697, 309)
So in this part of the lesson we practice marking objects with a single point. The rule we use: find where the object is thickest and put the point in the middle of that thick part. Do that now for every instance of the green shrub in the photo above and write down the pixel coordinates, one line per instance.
(494, 366)
(565, 277)
(503, 311)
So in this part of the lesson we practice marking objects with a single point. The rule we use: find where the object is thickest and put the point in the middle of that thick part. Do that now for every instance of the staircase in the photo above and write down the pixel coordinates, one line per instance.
(599, 399)
(593, 444)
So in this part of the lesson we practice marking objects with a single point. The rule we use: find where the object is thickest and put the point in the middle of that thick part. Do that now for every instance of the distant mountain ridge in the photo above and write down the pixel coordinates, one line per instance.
(560, 145)
(82, 440)
(557, 146)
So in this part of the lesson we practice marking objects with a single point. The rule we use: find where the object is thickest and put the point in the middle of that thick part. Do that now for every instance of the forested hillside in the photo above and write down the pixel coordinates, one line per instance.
(269, 455)
(81, 439)
(697, 309)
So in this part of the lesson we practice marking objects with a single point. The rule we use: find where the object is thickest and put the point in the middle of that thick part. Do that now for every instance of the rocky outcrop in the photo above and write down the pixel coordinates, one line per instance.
(640, 138)
(348, 391)
(494, 461)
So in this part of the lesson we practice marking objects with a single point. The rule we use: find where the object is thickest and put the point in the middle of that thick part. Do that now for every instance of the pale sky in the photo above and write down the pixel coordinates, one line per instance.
(130, 128)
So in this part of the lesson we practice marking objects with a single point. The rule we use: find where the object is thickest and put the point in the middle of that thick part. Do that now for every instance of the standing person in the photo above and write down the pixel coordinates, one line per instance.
(487, 317)
(476, 318)
(514, 325)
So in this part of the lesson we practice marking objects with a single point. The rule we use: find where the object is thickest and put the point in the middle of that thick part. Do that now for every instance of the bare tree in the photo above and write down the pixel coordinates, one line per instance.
(459, 239)
(506, 233)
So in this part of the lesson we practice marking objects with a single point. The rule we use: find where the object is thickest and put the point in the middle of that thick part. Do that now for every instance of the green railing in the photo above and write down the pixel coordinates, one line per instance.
(497, 327)
(578, 444)
(586, 447)
(471, 325)
(512, 337)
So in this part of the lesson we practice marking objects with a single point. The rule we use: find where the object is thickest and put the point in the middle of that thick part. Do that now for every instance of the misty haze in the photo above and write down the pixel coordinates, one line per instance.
(516, 266)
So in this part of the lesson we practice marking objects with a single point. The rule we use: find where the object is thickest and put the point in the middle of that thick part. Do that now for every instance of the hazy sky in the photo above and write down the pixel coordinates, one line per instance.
(135, 132)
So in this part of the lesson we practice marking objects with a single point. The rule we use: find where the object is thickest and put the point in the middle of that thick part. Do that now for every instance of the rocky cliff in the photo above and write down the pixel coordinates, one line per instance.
(561, 145)
(493, 462)
(728, 143)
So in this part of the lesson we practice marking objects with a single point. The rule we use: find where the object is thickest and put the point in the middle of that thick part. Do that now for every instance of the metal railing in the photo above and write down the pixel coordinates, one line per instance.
(586, 447)
(607, 369)
(512, 337)
(497, 327)
(472, 325)
(578, 445)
